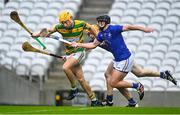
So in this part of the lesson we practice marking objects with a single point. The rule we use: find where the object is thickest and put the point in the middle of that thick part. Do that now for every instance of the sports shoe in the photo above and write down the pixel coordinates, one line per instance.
(107, 103)
(96, 103)
(140, 90)
(168, 76)
(72, 94)
(133, 105)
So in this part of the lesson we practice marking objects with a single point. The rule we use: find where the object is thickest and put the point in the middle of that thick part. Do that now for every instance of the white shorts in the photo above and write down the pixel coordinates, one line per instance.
(124, 65)
(80, 56)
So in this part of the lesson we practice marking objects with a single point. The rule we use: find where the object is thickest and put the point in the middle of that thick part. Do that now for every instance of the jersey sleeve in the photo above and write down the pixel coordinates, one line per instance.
(57, 26)
(118, 28)
(87, 26)
(87, 30)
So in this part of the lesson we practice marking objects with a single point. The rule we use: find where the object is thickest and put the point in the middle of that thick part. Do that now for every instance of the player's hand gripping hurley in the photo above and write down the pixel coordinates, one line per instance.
(44, 32)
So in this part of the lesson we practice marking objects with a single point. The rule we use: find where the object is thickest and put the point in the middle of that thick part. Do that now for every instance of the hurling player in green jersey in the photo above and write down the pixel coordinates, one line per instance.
(72, 31)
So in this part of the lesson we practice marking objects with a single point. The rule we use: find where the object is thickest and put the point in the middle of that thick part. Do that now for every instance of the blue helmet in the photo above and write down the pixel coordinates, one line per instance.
(104, 18)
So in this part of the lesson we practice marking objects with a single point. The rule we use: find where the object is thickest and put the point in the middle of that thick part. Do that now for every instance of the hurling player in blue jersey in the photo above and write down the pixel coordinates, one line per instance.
(110, 36)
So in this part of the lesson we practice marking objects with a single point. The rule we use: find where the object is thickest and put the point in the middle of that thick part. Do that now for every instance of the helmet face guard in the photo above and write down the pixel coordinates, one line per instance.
(103, 18)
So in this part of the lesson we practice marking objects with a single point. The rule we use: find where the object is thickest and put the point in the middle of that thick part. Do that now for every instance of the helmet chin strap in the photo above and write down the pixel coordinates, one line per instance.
(102, 28)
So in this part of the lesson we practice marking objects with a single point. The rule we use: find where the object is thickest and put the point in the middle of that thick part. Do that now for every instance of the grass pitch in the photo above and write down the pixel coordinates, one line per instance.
(86, 110)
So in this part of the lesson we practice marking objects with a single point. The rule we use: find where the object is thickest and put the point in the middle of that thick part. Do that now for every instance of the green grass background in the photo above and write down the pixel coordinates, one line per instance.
(86, 110)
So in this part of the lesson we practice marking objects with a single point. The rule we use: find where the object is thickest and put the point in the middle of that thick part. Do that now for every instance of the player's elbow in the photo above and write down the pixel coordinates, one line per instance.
(126, 27)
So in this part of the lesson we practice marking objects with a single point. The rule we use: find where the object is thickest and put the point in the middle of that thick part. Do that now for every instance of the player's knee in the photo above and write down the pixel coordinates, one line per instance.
(65, 68)
(112, 83)
(106, 75)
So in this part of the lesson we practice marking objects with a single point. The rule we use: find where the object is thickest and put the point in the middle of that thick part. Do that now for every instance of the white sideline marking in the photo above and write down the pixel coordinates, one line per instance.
(89, 108)
(86, 114)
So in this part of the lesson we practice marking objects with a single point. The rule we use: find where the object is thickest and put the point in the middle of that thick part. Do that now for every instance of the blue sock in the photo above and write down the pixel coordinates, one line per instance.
(131, 101)
(109, 97)
(135, 85)
(162, 75)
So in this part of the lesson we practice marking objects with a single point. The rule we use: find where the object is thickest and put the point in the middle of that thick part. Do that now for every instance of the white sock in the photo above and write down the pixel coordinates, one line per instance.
(74, 88)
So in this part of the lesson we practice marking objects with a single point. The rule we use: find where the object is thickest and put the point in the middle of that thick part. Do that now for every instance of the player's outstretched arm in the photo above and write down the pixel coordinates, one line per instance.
(90, 45)
(135, 27)
(43, 33)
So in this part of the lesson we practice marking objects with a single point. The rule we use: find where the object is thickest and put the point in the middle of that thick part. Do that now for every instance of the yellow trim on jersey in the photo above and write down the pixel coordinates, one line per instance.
(72, 31)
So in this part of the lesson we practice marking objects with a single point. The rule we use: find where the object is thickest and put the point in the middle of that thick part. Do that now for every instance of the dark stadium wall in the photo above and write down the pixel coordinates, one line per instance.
(16, 90)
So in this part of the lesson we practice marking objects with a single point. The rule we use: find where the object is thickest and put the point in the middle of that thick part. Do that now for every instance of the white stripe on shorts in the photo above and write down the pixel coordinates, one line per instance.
(124, 65)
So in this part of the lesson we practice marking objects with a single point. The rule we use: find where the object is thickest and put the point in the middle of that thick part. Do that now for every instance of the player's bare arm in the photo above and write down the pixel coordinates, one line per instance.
(45, 32)
(50, 31)
(135, 27)
(90, 45)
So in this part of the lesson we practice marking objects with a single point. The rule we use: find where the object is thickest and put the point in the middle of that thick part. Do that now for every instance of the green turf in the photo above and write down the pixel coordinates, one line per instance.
(85, 110)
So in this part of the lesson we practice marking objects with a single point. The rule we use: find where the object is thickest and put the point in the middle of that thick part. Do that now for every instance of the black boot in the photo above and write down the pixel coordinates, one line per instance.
(95, 103)
(73, 93)
(168, 76)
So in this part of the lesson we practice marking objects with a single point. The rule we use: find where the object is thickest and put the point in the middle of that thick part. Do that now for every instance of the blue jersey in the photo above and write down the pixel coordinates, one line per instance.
(112, 40)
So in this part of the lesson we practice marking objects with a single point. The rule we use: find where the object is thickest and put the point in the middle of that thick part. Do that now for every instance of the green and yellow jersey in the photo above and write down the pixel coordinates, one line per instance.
(96, 30)
(73, 35)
